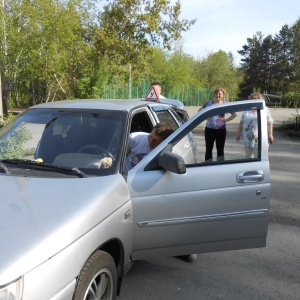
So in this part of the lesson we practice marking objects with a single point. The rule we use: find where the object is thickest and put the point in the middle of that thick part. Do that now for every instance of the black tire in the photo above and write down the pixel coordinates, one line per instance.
(97, 279)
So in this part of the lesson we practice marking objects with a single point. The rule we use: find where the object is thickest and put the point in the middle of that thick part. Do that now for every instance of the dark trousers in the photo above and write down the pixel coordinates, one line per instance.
(212, 135)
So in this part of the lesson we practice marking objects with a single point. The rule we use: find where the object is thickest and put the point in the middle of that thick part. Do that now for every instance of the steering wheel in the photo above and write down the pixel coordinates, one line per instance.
(93, 149)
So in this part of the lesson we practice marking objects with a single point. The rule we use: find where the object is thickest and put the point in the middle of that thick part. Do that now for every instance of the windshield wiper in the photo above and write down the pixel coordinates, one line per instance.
(40, 166)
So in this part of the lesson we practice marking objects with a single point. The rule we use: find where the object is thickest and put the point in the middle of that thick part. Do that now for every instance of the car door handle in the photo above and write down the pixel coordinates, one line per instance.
(250, 176)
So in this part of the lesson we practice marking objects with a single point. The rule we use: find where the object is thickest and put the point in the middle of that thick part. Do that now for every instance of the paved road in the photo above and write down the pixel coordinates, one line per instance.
(268, 273)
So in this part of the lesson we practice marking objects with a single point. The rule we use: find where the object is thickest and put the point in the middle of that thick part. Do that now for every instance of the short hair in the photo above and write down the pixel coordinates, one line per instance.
(163, 129)
(155, 83)
(220, 89)
(256, 95)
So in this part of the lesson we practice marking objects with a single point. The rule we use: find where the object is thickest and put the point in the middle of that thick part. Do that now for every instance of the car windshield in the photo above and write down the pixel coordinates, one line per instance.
(85, 140)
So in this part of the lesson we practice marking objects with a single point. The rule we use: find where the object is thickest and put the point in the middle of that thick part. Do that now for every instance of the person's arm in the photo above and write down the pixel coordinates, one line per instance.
(270, 133)
(270, 126)
(232, 116)
(200, 108)
(238, 134)
(204, 105)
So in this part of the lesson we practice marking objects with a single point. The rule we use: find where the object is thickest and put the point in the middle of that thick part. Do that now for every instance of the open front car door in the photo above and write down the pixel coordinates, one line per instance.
(216, 205)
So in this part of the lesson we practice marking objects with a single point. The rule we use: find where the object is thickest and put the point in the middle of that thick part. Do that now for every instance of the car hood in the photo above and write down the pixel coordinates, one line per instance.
(41, 216)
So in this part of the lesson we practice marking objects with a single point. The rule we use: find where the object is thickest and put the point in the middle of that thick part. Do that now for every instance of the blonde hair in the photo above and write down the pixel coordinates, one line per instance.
(219, 89)
(256, 95)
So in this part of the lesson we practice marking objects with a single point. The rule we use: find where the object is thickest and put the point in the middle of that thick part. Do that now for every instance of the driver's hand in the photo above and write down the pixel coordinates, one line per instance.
(106, 162)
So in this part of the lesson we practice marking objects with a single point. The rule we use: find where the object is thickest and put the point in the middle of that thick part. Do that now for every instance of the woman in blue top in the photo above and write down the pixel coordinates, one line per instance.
(215, 129)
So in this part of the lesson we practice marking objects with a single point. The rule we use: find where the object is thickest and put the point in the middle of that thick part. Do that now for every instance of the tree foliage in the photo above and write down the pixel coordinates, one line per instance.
(64, 49)
(131, 26)
(128, 29)
(218, 70)
(296, 56)
(172, 69)
(43, 48)
(58, 49)
(271, 64)
(177, 70)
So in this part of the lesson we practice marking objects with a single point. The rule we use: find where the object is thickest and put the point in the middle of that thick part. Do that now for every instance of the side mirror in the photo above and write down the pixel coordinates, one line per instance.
(172, 162)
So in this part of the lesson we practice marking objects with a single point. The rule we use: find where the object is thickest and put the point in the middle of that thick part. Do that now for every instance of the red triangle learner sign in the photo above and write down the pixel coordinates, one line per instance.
(152, 95)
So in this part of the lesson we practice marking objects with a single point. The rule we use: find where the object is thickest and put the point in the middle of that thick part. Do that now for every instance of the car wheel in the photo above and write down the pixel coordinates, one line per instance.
(97, 279)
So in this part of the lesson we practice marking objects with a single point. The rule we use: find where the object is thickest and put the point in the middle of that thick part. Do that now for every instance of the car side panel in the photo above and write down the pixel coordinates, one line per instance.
(61, 280)
(182, 215)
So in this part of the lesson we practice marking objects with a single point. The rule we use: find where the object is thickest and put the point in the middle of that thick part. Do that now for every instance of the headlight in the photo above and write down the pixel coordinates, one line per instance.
(12, 291)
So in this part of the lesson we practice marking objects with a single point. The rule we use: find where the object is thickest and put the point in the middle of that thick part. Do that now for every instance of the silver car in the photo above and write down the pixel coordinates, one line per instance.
(71, 225)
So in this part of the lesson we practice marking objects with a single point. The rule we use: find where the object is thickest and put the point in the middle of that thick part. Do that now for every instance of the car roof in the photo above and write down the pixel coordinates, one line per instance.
(109, 104)
(168, 101)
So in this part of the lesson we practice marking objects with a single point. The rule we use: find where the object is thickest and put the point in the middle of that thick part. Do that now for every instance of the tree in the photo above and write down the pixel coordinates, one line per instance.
(282, 63)
(128, 30)
(9, 55)
(252, 65)
(296, 56)
(172, 69)
(43, 49)
(219, 71)
(268, 63)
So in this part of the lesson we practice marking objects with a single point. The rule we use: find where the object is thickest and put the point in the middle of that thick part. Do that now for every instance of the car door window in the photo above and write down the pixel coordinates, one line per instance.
(233, 150)
(141, 122)
(187, 146)
(165, 116)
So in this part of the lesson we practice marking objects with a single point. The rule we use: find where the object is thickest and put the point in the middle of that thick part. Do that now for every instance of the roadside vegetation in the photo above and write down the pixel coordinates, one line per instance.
(52, 50)
(290, 127)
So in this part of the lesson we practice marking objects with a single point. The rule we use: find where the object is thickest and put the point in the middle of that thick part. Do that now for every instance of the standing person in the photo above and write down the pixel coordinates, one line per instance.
(215, 129)
(158, 89)
(248, 126)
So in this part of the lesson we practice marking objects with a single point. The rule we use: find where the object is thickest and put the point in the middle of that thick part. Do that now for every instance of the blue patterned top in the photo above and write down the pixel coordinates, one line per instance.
(215, 122)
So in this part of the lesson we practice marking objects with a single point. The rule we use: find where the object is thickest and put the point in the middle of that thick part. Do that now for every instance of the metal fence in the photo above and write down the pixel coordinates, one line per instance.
(188, 95)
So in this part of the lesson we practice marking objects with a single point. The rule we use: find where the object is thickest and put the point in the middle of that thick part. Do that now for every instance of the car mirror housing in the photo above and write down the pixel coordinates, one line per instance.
(172, 162)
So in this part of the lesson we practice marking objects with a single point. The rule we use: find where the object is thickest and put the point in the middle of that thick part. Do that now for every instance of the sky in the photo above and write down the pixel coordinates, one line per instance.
(226, 24)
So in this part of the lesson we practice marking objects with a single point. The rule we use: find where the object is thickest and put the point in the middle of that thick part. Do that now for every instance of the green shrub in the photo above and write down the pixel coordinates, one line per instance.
(6, 119)
(291, 127)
